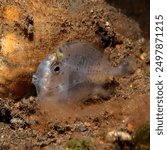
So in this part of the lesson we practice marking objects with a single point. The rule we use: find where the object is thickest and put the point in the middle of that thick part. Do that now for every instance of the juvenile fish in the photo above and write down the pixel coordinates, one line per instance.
(75, 71)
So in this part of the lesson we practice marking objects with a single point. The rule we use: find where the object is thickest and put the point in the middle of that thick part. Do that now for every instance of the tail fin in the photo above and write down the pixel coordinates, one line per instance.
(128, 66)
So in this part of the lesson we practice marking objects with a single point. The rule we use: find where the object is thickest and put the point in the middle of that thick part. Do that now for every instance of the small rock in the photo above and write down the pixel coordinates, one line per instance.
(16, 121)
(82, 128)
(143, 56)
(121, 135)
(130, 126)
(31, 98)
(91, 11)
(87, 124)
(107, 24)
(101, 142)
(17, 105)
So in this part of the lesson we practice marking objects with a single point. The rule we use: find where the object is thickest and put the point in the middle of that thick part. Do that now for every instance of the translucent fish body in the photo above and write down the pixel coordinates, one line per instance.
(75, 71)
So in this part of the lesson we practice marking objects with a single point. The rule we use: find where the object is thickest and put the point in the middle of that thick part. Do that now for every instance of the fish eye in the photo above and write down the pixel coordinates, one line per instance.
(56, 69)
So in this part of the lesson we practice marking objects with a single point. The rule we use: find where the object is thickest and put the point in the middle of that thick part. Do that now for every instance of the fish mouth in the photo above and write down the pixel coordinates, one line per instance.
(35, 79)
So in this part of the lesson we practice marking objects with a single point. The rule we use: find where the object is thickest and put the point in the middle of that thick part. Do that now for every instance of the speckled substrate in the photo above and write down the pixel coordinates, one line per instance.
(32, 29)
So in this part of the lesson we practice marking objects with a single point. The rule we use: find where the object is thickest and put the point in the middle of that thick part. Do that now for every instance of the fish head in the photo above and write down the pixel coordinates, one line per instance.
(48, 78)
